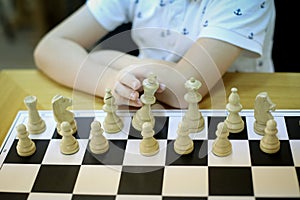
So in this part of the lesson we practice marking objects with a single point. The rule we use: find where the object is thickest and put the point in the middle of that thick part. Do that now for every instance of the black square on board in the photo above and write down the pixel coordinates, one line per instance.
(13, 196)
(282, 158)
(56, 178)
(293, 126)
(230, 181)
(160, 129)
(298, 174)
(92, 197)
(143, 180)
(213, 124)
(114, 155)
(197, 157)
(83, 128)
(36, 158)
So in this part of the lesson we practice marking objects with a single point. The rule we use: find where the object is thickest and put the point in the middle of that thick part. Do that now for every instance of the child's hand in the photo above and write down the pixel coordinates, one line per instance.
(127, 88)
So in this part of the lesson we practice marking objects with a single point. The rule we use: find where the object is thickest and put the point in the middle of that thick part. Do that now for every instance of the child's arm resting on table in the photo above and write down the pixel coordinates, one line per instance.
(62, 54)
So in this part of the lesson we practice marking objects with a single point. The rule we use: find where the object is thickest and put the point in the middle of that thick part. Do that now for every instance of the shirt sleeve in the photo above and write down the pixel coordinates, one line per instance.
(109, 13)
(242, 23)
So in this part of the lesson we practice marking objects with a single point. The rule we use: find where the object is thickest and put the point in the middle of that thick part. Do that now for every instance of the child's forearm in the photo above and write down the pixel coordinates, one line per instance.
(69, 64)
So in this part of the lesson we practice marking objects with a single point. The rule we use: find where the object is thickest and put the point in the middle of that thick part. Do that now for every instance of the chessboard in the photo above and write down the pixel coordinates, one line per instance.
(122, 173)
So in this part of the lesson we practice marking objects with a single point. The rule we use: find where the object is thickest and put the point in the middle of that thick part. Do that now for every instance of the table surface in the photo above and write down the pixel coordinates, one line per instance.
(15, 85)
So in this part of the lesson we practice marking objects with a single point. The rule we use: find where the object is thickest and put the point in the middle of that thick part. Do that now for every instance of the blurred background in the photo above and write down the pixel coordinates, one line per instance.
(24, 22)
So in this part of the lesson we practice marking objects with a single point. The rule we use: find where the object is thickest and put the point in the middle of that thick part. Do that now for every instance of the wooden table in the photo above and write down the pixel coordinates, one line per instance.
(15, 85)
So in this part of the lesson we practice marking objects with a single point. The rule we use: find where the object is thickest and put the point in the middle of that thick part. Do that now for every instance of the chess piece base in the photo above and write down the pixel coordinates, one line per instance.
(37, 128)
(222, 151)
(113, 127)
(97, 150)
(69, 149)
(259, 128)
(234, 127)
(196, 126)
(186, 150)
(28, 151)
(149, 150)
(269, 148)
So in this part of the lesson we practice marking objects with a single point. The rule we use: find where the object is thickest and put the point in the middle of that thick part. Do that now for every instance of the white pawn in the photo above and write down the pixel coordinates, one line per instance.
(35, 123)
(69, 144)
(98, 143)
(270, 142)
(25, 146)
(183, 143)
(149, 145)
(234, 122)
(112, 122)
(222, 145)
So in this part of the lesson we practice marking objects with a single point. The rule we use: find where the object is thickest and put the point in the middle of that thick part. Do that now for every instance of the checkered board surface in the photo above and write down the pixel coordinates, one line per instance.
(123, 174)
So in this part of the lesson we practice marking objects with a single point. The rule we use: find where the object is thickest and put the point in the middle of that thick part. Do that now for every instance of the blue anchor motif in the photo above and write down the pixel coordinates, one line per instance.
(250, 36)
(139, 15)
(205, 23)
(204, 9)
(185, 31)
(238, 12)
(162, 3)
(136, 1)
(263, 4)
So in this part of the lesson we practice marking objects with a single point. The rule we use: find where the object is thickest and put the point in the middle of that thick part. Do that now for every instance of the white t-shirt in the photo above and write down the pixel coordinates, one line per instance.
(166, 29)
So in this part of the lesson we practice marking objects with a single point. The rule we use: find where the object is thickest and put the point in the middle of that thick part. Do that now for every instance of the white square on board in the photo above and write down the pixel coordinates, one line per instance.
(18, 177)
(185, 181)
(98, 179)
(54, 156)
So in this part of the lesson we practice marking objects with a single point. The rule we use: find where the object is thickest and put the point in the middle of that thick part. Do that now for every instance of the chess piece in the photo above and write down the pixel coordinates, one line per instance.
(270, 142)
(222, 145)
(144, 114)
(25, 146)
(262, 107)
(61, 114)
(69, 144)
(149, 145)
(183, 143)
(193, 117)
(35, 123)
(98, 143)
(234, 122)
(112, 122)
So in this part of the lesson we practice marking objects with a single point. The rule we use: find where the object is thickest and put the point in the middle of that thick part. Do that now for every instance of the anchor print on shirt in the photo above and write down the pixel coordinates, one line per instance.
(250, 36)
(185, 31)
(162, 3)
(262, 5)
(238, 12)
(139, 15)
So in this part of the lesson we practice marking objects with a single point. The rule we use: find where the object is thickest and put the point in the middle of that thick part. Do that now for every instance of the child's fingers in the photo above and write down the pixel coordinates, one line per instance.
(130, 81)
(161, 88)
(126, 92)
(128, 102)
